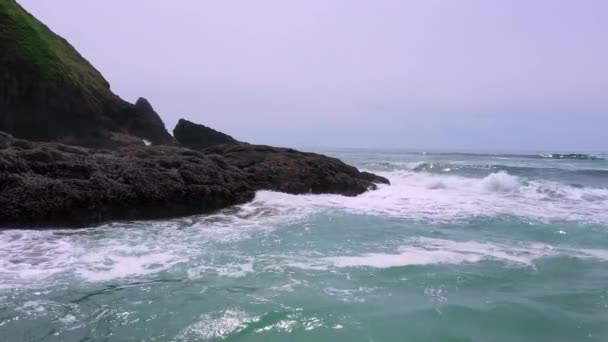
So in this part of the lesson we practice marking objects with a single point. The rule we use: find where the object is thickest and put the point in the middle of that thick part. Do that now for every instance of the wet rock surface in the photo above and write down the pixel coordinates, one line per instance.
(50, 184)
(46, 184)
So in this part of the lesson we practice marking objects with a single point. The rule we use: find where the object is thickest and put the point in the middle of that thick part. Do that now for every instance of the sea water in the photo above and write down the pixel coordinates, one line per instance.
(461, 247)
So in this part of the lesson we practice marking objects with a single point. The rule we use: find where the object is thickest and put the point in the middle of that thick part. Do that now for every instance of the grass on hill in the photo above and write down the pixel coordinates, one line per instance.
(29, 46)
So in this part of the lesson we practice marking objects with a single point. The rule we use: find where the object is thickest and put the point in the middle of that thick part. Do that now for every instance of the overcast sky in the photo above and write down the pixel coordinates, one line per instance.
(469, 74)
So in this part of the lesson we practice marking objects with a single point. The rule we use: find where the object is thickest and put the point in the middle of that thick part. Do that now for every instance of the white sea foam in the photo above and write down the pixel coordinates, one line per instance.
(107, 265)
(356, 295)
(290, 286)
(425, 251)
(217, 325)
(33, 256)
(231, 270)
(428, 251)
(43, 307)
(124, 250)
(448, 198)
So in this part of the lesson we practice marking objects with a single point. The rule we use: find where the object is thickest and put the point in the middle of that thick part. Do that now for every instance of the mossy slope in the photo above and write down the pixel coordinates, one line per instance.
(49, 92)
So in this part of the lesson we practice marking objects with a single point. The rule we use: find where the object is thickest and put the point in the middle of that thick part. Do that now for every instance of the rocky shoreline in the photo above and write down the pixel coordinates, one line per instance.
(73, 154)
(53, 185)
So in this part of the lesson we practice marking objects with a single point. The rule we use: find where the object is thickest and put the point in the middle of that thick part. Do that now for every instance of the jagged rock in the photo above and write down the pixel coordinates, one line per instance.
(197, 136)
(148, 124)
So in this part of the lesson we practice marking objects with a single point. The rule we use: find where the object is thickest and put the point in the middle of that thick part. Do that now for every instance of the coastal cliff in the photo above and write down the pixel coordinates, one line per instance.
(49, 92)
(72, 153)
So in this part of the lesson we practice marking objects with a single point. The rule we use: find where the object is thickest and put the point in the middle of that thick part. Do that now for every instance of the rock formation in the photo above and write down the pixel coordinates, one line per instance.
(49, 92)
(49, 184)
(75, 155)
(197, 136)
(295, 172)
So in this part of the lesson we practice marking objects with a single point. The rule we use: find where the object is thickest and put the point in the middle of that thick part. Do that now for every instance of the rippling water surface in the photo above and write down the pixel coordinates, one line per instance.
(461, 247)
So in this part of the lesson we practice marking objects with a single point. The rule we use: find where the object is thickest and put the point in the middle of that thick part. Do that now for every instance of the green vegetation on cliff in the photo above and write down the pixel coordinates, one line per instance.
(49, 92)
(29, 44)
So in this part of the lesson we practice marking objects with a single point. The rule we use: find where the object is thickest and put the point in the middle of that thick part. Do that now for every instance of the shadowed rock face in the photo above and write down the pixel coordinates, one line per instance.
(147, 124)
(197, 136)
(47, 184)
(49, 92)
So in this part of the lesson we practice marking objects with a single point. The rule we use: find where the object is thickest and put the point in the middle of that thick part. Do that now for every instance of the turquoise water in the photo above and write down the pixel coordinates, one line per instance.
(461, 247)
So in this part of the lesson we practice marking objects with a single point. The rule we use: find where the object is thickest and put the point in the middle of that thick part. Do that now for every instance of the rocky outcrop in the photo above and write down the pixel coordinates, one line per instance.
(295, 172)
(278, 169)
(49, 92)
(48, 184)
(53, 97)
(147, 124)
(197, 136)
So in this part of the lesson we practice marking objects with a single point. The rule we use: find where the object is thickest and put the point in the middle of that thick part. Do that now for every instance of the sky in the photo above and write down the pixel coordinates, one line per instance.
(412, 74)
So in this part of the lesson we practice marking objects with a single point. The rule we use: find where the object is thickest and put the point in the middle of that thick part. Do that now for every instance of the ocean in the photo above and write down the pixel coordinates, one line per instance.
(461, 247)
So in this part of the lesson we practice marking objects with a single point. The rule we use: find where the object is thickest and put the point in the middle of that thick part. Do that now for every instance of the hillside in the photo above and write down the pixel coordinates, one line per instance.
(49, 92)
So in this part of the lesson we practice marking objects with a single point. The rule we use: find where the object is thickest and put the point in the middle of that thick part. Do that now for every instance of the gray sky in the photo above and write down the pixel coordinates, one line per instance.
(468, 74)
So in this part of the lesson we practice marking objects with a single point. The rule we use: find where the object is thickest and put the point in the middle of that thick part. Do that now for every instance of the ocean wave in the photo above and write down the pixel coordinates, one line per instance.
(565, 173)
(565, 156)
(372, 153)
(124, 250)
(231, 322)
(217, 325)
(135, 249)
(432, 251)
(572, 156)
(446, 167)
(438, 198)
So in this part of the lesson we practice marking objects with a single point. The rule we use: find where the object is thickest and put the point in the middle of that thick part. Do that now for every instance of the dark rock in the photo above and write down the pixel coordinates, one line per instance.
(291, 171)
(49, 92)
(48, 184)
(197, 136)
(279, 169)
(146, 123)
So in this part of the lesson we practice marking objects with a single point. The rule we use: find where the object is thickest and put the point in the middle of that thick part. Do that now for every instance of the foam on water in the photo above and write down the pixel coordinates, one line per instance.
(232, 270)
(447, 198)
(107, 264)
(282, 265)
(217, 325)
(133, 249)
(32, 256)
(229, 322)
(429, 251)
(426, 251)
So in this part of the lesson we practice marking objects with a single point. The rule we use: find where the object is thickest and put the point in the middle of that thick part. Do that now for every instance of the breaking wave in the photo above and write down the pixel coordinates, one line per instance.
(438, 198)
(148, 248)
(430, 251)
